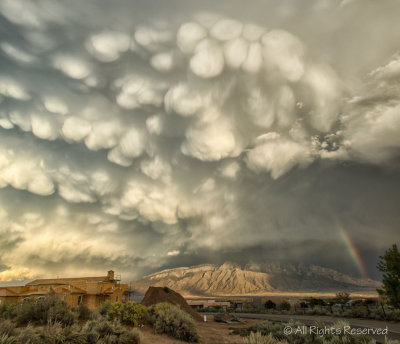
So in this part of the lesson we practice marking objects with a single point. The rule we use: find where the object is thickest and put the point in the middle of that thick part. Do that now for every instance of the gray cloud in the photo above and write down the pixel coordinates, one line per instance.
(182, 132)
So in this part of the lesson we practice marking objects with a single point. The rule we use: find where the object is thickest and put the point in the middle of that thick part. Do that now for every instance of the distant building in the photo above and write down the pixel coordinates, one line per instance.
(236, 303)
(201, 304)
(91, 291)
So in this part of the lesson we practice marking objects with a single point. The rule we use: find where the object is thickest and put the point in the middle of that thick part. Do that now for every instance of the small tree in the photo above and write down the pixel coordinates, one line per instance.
(270, 305)
(285, 306)
(342, 297)
(389, 265)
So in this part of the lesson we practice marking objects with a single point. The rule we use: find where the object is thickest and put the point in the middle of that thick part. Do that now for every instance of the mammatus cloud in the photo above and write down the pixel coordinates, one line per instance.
(124, 145)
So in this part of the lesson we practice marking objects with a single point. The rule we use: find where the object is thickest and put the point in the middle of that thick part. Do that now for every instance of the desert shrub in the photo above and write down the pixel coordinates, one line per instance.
(25, 312)
(104, 327)
(258, 338)
(108, 339)
(52, 309)
(132, 336)
(393, 315)
(130, 313)
(105, 331)
(357, 312)
(7, 310)
(391, 341)
(5, 339)
(174, 322)
(55, 333)
(83, 312)
(104, 308)
(7, 327)
(94, 332)
(29, 335)
(276, 331)
(285, 306)
(41, 311)
(154, 309)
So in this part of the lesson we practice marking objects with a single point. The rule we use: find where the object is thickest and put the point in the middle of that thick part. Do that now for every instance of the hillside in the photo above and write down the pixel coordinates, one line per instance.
(231, 279)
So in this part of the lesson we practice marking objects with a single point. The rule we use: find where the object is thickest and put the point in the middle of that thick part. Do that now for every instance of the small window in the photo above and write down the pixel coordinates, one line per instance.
(116, 299)
(79, 299)
(64, 297)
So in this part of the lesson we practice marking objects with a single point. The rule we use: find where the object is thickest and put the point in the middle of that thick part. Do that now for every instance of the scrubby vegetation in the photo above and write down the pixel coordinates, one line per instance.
(170, 319)
(258, 338)
(337, 307)
(273, 333)
(40, 311)
(98, 331)
(130, 313)
(102, 330)
(49, 320)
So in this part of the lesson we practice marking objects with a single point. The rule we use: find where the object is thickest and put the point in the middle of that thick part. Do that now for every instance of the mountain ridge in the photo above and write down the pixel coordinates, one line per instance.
(231, 279)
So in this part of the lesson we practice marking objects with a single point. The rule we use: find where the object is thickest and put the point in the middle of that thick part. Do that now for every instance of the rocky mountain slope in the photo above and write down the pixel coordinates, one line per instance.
(231, 279)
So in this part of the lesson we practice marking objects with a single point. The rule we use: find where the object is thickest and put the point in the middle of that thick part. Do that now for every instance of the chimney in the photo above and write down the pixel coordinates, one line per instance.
(110, 275)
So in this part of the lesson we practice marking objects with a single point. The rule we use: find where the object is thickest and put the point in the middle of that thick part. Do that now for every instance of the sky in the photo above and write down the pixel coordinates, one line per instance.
(141, 135)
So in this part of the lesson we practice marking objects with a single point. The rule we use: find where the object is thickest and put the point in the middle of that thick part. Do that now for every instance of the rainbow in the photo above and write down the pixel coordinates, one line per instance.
(351, 248)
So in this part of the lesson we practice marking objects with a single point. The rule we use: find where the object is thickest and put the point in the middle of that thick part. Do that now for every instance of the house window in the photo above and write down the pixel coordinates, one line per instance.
(79, 299)
(64, 297)
(116, 299)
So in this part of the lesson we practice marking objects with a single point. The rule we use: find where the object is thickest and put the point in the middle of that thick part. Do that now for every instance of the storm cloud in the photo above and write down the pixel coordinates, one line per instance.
(137, 136)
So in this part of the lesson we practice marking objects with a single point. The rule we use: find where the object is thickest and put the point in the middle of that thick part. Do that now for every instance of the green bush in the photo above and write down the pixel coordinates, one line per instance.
(7, 310)
(170, 319)
(83, 312)
(393, 315)
(52, 309)
(130, 313)
(104, 308)
(25, 312)
(285, 306)
(40, 311)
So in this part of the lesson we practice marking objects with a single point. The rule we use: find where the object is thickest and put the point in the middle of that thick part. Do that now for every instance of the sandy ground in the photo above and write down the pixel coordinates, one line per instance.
(210, 332)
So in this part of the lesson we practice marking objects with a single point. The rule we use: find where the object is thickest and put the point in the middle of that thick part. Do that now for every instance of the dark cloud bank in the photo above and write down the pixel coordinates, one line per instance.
(138, 135)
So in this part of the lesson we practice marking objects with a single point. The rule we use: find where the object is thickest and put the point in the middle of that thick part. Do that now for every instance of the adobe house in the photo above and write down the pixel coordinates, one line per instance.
(91, 291)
